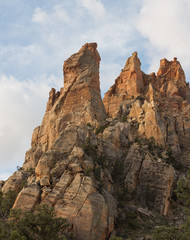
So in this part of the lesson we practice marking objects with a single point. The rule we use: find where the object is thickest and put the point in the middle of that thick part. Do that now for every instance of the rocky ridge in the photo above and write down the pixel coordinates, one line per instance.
(94, 163)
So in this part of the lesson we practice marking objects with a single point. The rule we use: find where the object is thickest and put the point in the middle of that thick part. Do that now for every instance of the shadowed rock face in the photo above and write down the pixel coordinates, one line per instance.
(80, 162)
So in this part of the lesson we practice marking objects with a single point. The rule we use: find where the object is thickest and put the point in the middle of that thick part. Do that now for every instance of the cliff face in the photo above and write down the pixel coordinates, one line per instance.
(160, 106)
(79, 102)
(129, 84)
(57, 154)
(81, 161)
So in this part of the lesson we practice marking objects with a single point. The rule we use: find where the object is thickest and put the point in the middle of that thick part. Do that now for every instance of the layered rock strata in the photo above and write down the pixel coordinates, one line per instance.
(78, 102)
(81, 162)
(56, 164)
(160, 105)
(128, 85)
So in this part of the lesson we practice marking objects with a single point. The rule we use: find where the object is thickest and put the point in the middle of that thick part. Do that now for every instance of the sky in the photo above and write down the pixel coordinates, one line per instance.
(37, 36)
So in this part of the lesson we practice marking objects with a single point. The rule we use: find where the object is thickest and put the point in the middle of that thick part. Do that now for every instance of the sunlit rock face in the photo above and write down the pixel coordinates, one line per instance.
(129, 84)
(56, 156)
(78, 102)
(159, 103)
(84, 156)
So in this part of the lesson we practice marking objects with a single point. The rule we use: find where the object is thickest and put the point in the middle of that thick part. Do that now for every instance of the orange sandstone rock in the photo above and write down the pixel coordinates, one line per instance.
(78, 103)
(72, 168)
(129, 84)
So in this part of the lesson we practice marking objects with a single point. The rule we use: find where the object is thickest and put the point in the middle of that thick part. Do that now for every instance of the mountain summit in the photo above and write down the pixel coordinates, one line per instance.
(96, 164)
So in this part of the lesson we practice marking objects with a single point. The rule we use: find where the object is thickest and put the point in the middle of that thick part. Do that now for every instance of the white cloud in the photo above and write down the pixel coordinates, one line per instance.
(40, 16)
(87, 21)
(165, 26)
(22, 106)
(95, 7)
(56, 29)
(5, 175)
(58, 13)
(60, 32)
(21, 55)
(108, 73)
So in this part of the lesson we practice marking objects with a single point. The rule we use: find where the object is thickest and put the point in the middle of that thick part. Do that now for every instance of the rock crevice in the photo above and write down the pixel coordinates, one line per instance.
(81, 161)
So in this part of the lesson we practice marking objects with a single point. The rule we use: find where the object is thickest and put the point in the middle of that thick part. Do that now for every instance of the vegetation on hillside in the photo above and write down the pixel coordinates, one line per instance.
(39, 224)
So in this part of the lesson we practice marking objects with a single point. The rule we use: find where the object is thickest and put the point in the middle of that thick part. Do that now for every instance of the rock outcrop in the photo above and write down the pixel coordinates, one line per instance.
(159, 103)
(128, 85)
(91, 167)
(152, 179)
(79, 102)
(57, 164)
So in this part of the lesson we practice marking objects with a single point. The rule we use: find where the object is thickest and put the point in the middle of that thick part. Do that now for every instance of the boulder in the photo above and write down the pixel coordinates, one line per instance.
(27, 198)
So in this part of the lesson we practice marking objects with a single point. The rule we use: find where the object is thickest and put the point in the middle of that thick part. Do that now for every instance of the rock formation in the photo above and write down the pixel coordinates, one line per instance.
(79, 102)
(129, 84)
(56, 160)
(81, 161)
(160, 106)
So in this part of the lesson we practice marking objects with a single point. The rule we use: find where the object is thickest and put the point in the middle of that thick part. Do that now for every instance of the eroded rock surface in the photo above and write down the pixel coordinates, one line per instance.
(150, 178)
(28, 198)
(159, 103)
(82, 161)
(56, 162)
(129, 84)
(78, 102)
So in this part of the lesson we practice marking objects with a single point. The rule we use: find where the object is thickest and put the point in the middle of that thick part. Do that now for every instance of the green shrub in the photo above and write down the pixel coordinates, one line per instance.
(89, 149)
(116, 238)
(132, 220)
(168, 233)
(101, 128)
(97, 173)
(129, 220)
(151, 144)
(123, 118)
(172, 161)
(123, 195)
(178, 166)
(6, 202)
(182, 232)
(88, 171)
(19, 168)
(118, 171)
(101, 161)
(183, 190)
(42, 224)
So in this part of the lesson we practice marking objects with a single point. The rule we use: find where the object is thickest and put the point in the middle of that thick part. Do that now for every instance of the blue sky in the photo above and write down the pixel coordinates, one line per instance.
(37, 36)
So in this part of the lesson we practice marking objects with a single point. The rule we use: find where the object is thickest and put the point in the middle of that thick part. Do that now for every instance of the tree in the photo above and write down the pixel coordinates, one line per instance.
(6, 202)
(183, 190)
(41, 224)
(168, 233)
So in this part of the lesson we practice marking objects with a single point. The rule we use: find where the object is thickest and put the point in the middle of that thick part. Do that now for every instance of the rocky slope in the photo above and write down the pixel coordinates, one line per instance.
(94, 163)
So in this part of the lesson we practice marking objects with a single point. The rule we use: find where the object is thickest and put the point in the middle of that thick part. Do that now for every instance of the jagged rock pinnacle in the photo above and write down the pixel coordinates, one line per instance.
(78, 102)
(81, 162)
